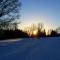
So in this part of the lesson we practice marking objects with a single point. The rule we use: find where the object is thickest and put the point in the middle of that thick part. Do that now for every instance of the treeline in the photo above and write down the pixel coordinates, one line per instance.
(41, 32)
(12, 34)
(51, 33)
(54, 33)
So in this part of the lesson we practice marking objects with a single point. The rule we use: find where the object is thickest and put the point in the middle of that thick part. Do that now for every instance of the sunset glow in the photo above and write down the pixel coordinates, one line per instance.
(35, 32)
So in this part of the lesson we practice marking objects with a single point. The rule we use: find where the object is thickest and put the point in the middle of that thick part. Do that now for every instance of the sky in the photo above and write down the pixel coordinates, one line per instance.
(40, 11)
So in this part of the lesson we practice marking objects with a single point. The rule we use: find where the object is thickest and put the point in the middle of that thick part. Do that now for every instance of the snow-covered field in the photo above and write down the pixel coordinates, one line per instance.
(30, 49)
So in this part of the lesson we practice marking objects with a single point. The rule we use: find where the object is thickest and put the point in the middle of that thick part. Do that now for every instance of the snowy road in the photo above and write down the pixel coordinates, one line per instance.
(30, 49)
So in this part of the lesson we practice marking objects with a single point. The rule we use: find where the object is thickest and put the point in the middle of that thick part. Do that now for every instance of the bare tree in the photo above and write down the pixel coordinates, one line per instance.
(9, 11)
(40, 26)
(58, 30)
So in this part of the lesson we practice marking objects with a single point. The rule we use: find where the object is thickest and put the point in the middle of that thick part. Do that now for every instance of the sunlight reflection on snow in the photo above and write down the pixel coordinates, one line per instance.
(11, 40)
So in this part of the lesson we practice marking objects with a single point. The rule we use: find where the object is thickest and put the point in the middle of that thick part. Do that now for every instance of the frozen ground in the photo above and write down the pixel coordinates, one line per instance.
(30, 49)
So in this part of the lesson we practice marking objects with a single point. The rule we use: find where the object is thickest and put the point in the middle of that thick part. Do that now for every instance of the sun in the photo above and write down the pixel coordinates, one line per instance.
(35, 32)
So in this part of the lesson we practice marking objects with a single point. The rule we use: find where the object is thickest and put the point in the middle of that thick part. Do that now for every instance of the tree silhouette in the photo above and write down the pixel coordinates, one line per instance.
(9, 11)
(40, 27)
(54, 33)
(58, 30)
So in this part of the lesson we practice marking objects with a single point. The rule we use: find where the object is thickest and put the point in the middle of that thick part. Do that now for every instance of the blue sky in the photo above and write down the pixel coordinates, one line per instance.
(43, 11)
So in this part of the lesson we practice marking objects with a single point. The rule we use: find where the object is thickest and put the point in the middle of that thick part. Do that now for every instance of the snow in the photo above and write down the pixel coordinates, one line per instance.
(30, 49)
